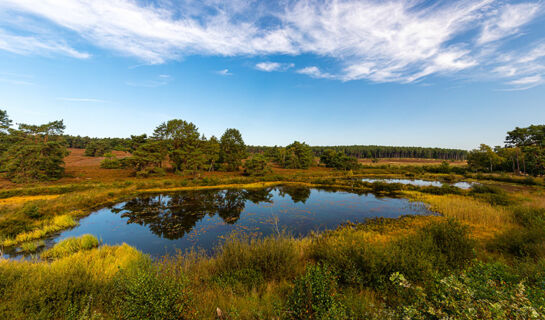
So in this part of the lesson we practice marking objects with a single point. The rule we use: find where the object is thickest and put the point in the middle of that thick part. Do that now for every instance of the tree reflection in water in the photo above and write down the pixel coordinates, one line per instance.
(173, 216)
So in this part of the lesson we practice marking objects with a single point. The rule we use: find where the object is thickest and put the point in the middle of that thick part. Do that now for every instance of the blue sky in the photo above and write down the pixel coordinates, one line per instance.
(414, 73)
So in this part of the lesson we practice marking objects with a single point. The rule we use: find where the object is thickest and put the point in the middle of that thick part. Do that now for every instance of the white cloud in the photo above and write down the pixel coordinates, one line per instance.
(33, 45)
(508, 20)
(224, 72)
(380, 41)
(527, 80)
(315, 72)
(273, 66)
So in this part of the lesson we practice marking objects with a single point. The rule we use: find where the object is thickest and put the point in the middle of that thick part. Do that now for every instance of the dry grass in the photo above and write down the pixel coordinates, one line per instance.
(484, 219)
(23, 199)
(409, 162)
(57, 224)
(70, 246)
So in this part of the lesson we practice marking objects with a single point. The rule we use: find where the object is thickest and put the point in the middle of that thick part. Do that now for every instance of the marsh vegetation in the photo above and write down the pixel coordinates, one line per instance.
(481, 256)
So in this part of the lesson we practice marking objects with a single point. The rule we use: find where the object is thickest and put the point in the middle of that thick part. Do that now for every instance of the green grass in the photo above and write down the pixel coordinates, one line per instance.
(70, 246)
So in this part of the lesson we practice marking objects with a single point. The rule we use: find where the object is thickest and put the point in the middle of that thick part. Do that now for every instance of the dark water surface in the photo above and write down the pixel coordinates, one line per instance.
(161, 224)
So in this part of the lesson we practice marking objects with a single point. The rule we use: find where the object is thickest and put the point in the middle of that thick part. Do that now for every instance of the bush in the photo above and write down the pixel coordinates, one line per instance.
(151, 172)
(256, 166)
(146, 291)
(111, 162)
(315, 296)
(32, 210)
(438, 248)
(483, 292)
(97, 149)
(527, 241)
(490, 194)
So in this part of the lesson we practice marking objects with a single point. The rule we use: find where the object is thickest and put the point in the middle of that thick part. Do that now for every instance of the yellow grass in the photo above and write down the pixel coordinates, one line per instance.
(58, 223)
(102, 263)
(23, 199)
(483, 218)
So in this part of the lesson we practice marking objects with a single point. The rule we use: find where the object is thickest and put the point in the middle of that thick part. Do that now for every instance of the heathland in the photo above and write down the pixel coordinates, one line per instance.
(481, 257)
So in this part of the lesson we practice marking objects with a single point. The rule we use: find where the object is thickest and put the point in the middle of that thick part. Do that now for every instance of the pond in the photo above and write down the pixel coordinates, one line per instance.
(162, 224)
(422, 183)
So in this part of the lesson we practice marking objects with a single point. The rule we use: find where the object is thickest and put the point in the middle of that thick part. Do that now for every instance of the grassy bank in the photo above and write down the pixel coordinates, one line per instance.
(483, 257)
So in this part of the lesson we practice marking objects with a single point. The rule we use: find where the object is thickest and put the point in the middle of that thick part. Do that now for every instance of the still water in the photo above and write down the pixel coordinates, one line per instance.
(422, 183)
(161, 224)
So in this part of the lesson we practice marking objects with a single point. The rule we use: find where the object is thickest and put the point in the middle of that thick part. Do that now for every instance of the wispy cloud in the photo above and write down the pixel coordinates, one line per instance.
(158, 81)
(82, 100)
(381, 41)
(33, 45)
(224, 72)
(507, 21)
(315, 72)
(273, 66)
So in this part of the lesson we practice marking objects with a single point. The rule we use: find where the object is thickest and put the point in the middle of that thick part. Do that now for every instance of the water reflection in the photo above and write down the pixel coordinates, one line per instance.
(160, 224)
(422, 183)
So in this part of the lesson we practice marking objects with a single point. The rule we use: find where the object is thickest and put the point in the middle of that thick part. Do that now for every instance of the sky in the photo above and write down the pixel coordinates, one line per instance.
(408, 73)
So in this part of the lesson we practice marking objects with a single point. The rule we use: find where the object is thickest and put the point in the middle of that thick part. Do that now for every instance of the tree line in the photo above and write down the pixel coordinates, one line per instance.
(37, 152)
(523, 153)
(377, 152)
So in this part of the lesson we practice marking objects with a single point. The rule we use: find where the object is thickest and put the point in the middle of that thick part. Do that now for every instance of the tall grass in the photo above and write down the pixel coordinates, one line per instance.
(69, 246)
(485, 219)
(254, 259)
(58, 223)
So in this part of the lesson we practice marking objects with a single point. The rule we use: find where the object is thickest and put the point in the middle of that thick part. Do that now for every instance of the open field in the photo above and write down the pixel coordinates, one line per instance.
(409, 162)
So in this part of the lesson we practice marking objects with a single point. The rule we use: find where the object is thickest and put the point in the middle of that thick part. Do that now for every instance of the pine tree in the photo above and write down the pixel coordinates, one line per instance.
(232, 149)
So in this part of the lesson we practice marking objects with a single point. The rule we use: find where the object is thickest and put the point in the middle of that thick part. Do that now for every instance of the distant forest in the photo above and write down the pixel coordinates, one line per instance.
(358, 151)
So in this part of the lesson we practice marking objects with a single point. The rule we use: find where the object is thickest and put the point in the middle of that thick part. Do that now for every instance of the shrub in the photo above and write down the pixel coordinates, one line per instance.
(527, 241)
(32, 210)
(151, 172)
(256, 166)
(438, 248)
(97, 149)
(315, 296)
(467, 296)
(146, 291)
(111, 162)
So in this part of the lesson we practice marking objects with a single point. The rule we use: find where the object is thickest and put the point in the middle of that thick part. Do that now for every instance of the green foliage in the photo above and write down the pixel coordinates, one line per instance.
(527, 241)
(212, 153)
(97, 148)
(298, 156)
(437, 248)
(35, 153)
(483, 159)
(486, 291)
(377, 152)
(315, 296)
(69, 246)
(232, 149)
(32, 209)
(257, 166)
(271, 258)
(337, 160)
(145, 291)
(5, 122)
(111, 162)
(147, 157)
(184, 144)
